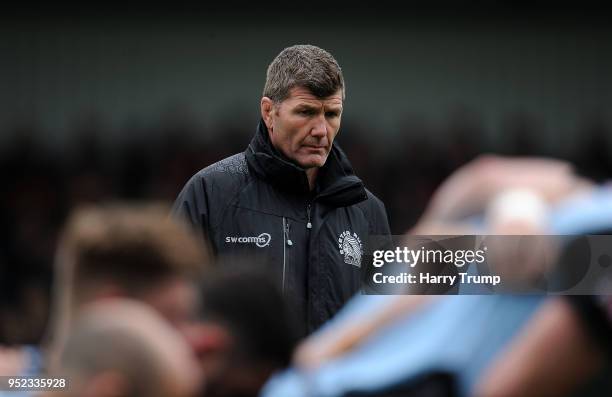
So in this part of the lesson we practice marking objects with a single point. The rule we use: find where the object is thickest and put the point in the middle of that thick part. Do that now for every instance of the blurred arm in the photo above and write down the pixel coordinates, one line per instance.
(469, 189)
(338, 340)
(552, 356)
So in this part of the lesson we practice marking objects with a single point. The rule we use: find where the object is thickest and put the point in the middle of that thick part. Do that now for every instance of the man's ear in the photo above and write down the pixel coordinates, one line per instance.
(267, 109)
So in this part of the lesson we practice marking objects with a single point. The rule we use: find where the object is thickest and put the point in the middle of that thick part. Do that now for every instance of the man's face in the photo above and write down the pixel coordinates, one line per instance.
(303, 127)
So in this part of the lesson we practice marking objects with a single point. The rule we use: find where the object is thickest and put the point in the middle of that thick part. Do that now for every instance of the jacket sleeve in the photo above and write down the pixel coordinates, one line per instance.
(191, 206)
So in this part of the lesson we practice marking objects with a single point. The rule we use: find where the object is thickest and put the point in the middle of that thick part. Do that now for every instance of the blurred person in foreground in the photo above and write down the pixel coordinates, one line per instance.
(119, 250)
(291, 199)
(491, 345)
(121, 348)
(122, 250)
(244, 332)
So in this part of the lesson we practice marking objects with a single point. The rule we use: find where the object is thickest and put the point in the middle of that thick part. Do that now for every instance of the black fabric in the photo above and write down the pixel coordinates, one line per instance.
(592, 312)
(434, 384)
(261, 194)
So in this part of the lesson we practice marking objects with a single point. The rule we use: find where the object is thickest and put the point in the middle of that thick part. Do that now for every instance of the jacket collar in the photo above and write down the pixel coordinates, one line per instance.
(336, 184)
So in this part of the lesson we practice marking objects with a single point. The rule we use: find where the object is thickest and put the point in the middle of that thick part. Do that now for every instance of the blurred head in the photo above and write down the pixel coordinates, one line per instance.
(121, 347)
(302, 104)
(134, 251)
(244, 333)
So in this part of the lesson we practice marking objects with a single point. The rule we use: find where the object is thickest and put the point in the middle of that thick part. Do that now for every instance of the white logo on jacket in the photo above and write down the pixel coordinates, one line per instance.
(263, 240)
(350, 246)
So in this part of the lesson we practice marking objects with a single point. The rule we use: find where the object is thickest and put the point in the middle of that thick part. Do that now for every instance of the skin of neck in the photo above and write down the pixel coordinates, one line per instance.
(311, 174)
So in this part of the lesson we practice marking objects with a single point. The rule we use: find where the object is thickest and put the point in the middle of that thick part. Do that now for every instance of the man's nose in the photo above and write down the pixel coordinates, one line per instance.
(319, 129)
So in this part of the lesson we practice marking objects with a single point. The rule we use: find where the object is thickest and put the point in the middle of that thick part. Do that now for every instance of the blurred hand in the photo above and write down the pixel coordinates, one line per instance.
(315, 351)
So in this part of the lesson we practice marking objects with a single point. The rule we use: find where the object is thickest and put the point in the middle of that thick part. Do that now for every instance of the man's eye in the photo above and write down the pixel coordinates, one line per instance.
(305, 112)
(331, 114)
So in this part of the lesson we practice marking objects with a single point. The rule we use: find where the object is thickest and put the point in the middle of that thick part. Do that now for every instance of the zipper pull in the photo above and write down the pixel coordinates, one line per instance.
(289, 242)
(308, 225)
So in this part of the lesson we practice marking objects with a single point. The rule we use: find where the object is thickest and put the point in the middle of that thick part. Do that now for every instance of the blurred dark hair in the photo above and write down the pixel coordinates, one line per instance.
(251, 306)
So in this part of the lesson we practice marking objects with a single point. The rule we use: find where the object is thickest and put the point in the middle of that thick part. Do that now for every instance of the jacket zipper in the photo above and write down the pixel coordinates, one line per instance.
(308, 224)
(286, 242)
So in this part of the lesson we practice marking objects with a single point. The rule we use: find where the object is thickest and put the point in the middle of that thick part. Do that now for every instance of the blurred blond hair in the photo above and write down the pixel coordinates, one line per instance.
(133, 246)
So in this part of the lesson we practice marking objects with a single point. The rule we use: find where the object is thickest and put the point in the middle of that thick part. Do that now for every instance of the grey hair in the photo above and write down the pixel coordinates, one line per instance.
(305, 66)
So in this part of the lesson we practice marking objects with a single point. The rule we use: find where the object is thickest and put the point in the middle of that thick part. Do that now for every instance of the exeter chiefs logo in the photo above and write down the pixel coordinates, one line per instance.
(350, 247)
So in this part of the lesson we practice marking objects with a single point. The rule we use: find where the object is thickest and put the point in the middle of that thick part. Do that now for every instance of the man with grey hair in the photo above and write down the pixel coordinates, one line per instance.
(291, 200)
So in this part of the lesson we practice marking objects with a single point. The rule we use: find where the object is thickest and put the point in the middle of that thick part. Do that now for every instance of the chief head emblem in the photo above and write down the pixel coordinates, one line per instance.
(350, 246)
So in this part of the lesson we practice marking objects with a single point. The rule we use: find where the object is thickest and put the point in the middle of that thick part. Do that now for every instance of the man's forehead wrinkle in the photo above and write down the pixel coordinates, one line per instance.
(310, 104)
(317, 103)
(304, 94)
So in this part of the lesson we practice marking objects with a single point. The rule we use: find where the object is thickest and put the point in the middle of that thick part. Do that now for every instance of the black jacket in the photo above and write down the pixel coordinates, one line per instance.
(259, 204)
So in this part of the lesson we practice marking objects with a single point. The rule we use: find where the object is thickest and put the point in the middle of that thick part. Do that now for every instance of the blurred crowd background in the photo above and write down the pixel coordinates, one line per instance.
(107, 103)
